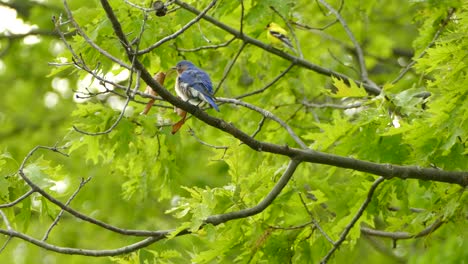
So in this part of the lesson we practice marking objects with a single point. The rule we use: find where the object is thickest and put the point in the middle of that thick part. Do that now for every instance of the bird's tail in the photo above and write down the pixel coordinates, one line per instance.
(212, 103)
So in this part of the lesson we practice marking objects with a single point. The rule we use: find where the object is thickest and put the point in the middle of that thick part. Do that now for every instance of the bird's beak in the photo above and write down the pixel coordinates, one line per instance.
(171, 70)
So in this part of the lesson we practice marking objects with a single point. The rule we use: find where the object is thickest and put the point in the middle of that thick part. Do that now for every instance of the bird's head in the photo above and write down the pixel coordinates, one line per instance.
(183, 65)
(271, 24)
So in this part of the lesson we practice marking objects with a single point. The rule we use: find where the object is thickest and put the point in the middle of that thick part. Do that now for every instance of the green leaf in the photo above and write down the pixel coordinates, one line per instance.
(347, 90)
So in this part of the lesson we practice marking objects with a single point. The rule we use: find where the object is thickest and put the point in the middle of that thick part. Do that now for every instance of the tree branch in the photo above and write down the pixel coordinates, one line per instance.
(268, 85)
(315, 222)
(433, 41)
(34, 32)
(57, 219)
(79, 251)
(269, 115)
(357, 46)
(229, 67)
(275, 191)
(221, 45)
(88, 40)
(354, 220)
(403, 235)
(21, 198)
(178, 32)
(73, 212)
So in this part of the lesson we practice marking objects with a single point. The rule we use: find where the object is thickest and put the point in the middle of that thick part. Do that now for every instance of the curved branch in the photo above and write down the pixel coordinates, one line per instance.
(79, 251)
(34, 32)
(111, 128)
(402, 235)
(74, 212)
(21, 198)
(221, 218)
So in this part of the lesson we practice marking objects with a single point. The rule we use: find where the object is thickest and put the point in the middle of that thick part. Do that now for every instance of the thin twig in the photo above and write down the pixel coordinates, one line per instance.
(336, 106)
(259, 127)
(57, 219)
(21, 198)
(334, 57)
(357, 46)
(178, 32)
(307, 27)
(403, 235)
(192, 133)
(354, 220)
(292, 227)
(144, 9)
(296, 40)
(424, 52)
(315, 222)
(5, 244)
(89, 41)
(57, 24)
(203, 35)
(229, 67)
(268, 85)
(222, 45)
(114, 125)
(8, 225)
(241, 23)
(269, 115)
(5, 220)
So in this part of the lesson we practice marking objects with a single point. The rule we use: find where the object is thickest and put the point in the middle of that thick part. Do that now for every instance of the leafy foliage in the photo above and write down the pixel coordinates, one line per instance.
(145, 178)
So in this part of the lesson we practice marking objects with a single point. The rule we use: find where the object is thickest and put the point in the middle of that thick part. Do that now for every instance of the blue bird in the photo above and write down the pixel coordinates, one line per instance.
(193, 84)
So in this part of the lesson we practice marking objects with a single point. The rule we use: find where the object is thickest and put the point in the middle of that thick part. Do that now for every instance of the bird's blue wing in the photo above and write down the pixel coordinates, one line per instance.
(200, 81)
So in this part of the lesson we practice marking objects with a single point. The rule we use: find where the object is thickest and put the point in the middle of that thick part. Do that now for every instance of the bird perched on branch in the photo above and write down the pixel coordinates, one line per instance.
(278, 36)
(193, 84)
